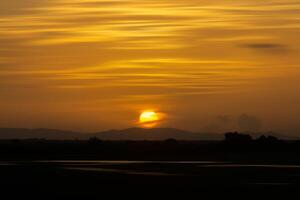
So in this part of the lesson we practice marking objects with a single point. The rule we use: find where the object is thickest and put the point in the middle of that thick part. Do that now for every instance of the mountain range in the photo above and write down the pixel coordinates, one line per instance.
(122, 134)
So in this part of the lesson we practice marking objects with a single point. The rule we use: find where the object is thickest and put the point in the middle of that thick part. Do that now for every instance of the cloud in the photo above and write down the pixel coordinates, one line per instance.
(220, 123)
(139, 53)
(266, 46)
(225, 119)
(226, 123)
(249, 123)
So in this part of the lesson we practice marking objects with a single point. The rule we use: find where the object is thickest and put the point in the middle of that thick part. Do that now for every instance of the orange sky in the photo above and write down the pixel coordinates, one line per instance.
(96, 64)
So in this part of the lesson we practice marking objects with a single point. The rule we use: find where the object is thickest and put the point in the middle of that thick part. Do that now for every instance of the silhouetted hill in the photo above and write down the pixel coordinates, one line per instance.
(155, 134)
(122, 134)
(20, 133)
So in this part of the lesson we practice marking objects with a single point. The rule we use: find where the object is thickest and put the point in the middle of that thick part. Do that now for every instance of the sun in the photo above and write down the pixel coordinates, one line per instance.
(148, 119)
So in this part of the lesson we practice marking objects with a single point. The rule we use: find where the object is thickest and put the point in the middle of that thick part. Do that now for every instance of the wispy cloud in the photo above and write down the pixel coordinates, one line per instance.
(61, 21)
(143, 51)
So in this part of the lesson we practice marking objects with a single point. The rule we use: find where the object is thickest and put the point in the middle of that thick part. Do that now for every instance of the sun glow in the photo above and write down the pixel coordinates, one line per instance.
(148, 119)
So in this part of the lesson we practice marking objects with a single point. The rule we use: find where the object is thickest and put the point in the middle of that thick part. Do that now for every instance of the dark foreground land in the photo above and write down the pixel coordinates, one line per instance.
(237, 167)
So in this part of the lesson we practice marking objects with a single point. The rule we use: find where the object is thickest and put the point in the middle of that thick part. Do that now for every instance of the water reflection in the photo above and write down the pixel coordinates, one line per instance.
(163, 168)
(119, 162)
(205, 171)
(120, 171)
(251, 165)
(6, 163)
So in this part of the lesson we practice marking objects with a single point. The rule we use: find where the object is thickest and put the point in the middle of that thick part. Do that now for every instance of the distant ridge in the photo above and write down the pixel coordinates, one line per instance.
(41, 133)
(155, 134)
(122, 134)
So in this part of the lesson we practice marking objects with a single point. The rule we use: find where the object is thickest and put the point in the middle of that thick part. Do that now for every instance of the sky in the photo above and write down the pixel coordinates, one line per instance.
(203, 65)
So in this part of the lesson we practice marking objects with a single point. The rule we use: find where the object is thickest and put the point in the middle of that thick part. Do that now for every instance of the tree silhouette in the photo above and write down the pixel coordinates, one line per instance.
(237, 138)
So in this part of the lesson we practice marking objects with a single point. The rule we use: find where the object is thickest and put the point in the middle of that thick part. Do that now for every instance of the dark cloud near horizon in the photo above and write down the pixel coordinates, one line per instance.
(249, 123)
(225, 123)
(220, 123)
(224, 119)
